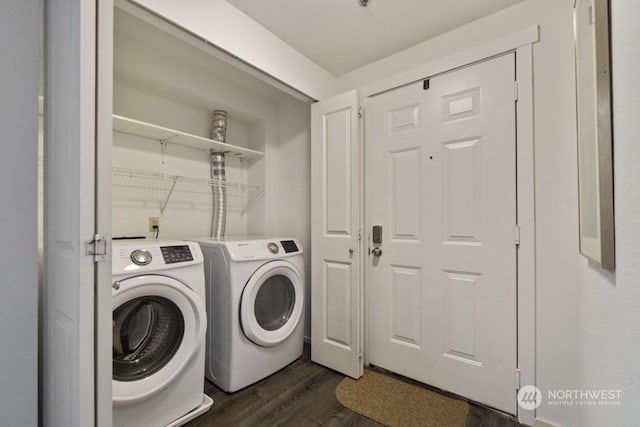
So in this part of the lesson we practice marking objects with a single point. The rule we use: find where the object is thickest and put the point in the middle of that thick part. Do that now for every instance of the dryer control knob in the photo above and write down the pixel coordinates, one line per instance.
(273, 248)
(141, 257)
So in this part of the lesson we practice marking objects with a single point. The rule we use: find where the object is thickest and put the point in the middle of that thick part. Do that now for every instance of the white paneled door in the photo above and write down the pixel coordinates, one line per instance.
(441, 183)
(75, 294)
(336, 337)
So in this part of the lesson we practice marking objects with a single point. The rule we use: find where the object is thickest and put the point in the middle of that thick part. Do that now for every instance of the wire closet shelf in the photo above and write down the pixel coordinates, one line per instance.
(169, 184)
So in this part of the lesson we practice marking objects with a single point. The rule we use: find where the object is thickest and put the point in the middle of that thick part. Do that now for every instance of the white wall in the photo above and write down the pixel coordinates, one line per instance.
(284, 171)
(188, 214)
(165, 81)
(264, 137)
(293, 210)
(610, 302)
(20, 31)
(555, 173)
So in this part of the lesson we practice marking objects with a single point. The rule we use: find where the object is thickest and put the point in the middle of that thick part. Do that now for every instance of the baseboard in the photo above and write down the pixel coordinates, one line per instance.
(539, 423)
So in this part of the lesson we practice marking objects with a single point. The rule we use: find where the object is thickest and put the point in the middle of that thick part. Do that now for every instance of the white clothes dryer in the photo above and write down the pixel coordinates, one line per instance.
(255, 304)
(159, 327)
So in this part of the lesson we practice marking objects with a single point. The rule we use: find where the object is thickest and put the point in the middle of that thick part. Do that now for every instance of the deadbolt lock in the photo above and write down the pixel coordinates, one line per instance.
(377, 234)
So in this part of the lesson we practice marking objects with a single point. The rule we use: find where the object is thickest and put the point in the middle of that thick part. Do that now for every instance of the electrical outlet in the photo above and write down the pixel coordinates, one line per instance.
(154, 221)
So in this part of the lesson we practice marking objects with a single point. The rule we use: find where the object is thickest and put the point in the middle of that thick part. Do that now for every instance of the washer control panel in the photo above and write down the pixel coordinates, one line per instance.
(173, 254)
(141, 257)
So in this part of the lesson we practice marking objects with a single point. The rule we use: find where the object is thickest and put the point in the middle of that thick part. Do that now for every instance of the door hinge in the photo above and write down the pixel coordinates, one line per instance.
(515, 90)
(97, 247)
(516, 234)
(517, 379)
(360, 112)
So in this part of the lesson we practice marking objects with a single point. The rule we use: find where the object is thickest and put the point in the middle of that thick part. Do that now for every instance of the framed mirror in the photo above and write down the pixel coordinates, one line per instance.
(595, 141)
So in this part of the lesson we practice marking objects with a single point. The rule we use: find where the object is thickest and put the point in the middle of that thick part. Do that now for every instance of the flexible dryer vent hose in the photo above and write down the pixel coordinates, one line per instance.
(218, 192)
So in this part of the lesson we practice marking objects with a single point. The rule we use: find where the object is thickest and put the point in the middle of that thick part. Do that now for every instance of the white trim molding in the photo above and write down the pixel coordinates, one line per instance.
(506, 43)
(526, 221)
(540, 423)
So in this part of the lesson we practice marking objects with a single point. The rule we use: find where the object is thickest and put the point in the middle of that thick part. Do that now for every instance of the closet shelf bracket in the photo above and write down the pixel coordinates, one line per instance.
(166, 201)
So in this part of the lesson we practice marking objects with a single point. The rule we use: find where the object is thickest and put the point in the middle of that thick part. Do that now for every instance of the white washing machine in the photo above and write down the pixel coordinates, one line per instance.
(159, 327)
(255, 302)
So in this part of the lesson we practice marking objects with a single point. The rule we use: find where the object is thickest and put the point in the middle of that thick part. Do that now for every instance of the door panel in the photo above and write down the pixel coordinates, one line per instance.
(441, 180)
(405, 182)
(336, 172)
(461, 333)
(337, 303)
(336, 324)
(406, 307)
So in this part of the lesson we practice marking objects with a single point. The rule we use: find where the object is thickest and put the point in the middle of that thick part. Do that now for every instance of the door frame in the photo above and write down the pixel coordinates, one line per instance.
(521, 42)
(103, 374)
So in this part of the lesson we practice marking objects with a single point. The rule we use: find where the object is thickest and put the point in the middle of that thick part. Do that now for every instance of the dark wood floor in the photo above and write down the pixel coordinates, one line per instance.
(303, 394)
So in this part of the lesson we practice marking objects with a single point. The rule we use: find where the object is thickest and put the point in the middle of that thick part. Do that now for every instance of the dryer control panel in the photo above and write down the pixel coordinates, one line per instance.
(289, 246)
(250, 250)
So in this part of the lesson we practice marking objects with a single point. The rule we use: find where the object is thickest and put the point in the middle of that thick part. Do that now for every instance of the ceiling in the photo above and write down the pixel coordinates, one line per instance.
(341, 36)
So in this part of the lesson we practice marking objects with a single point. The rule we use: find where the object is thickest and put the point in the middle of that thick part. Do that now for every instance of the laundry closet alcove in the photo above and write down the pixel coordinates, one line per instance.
(167, 83)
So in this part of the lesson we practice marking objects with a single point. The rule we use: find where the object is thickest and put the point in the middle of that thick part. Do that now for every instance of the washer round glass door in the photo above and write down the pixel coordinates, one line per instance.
(158, 326)
(271, 304)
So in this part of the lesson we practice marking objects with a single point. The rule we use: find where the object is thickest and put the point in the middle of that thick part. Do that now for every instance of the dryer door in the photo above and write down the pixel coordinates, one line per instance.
(272, 303)
(158, 327)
